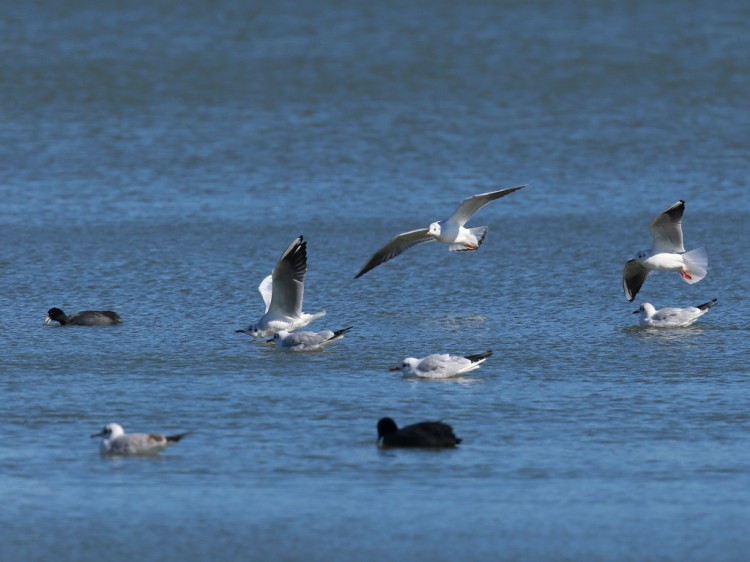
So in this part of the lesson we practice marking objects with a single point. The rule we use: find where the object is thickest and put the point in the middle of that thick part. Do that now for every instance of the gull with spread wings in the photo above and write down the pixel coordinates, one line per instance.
(450, 231)
(668, 254)
(282, 293)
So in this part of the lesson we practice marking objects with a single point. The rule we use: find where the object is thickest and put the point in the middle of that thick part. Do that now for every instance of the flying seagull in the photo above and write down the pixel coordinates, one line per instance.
(433, 434)
(667, 254)
(671, 317)
(450, 231)
(282, 293)
(441, 366)
(116, 442)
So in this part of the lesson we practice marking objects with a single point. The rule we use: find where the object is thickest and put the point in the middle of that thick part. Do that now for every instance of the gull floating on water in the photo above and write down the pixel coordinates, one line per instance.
(307, 341)
(667, 254)
(423, 434)
(672, 317)
(450, 231)
(83, 318)
(441, 366)
(116, 442)
(282, 294)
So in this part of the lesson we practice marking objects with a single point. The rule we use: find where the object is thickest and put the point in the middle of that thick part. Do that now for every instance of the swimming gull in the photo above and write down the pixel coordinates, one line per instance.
(672, 317)
(307, 341)
(441, 366)
(116, 442)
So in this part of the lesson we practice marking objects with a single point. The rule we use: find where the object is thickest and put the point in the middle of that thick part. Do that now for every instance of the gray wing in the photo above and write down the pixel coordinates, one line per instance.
(307, 339)
(394, 247)
(674, 315)
(138, 443)
(633, 277)
(288, 281)
(472, 204)
(266, 291)
(438, 364)
(666, 229)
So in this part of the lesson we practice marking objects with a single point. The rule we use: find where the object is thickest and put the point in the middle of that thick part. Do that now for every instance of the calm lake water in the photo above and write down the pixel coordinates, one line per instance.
(157, 159)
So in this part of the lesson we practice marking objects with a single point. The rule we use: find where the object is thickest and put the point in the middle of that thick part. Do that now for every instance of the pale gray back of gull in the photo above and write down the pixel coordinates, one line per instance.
(449, 231)
(283, 292)
(667, 254)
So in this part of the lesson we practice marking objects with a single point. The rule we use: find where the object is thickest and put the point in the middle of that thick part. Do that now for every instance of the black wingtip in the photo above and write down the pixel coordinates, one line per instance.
(479, 356)
(176, 438)
(367, 267)
(676, 210)
(707, 305)
(340, 332)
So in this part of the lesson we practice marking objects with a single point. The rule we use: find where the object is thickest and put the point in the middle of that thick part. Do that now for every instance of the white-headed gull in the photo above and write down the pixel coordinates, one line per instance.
(423, 434)
(667, 254)
(116, 442)
(672, 317)
(307, 341)
(283, 292)
(441, 365)
(83, 318)
(450, 231)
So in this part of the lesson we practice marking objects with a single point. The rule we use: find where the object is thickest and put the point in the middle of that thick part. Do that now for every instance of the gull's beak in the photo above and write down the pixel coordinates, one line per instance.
(636, 311)
(97, 434)
(239, 331)
(269, 341)
(394, 368)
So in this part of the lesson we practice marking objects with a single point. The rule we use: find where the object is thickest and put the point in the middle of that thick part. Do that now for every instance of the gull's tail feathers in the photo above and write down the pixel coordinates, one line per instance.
(696, 265)
(476, 238)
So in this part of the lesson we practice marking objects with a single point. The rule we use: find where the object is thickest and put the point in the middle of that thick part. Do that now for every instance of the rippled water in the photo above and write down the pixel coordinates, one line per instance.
(157, 159)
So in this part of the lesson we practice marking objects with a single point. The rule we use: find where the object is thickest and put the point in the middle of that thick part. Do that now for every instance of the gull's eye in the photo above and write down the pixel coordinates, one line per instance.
(404, 364)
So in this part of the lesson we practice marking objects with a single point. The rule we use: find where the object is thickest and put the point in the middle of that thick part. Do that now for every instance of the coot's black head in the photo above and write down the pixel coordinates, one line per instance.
(56, 314)
(386, 426)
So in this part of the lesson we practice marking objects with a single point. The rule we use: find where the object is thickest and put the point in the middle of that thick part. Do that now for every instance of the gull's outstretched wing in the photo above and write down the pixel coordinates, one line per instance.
(633, 277)
(266, 291)
(472, 204)
(288, 281)
(394, 247)
(666, 229)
